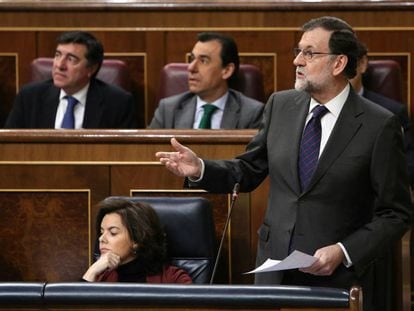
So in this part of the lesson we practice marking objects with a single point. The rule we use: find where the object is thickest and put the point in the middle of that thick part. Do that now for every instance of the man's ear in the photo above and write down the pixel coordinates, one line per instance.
(339, 65)
(227, 71)
(92, 70)
(363, 63)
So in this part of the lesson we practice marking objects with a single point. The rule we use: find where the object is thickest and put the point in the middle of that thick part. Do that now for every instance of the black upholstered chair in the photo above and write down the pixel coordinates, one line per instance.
(112, 71)
(174, 80)
(189, 226)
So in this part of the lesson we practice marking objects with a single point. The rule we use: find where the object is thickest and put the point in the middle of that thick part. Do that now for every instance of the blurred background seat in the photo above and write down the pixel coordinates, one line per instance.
(384, 76)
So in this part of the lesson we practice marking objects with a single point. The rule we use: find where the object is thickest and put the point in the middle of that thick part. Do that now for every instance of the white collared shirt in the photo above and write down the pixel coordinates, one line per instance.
(79, 110)
(328, 122)
(217, 115)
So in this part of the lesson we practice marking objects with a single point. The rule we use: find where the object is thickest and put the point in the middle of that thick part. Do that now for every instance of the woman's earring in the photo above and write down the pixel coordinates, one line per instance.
(134, 249)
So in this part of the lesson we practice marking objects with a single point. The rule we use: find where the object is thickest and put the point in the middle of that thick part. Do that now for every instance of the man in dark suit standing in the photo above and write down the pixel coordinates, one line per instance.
(214, 65)
(395, 107)
(357, 201)
(92, 103)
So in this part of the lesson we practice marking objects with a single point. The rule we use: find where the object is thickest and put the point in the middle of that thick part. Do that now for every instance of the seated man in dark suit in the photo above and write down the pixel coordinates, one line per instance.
(395, 107)
(73, 98)
(214, 63)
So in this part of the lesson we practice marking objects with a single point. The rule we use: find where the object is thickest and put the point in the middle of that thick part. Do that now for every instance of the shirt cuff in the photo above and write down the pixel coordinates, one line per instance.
(347, 261)
(201, 173)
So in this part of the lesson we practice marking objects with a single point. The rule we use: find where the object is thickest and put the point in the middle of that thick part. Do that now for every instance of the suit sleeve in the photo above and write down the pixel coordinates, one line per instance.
(257, 116)
(392, 215)
(408, 141)
(15, 118)
(248, 169)
(158, 120)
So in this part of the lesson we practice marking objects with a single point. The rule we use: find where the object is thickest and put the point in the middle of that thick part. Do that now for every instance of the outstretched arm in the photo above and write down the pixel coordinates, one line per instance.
(182, 162)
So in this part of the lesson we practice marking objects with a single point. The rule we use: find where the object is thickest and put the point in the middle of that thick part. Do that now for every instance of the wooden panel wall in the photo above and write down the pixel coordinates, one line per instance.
(150, 34)
(53, 180)
(147, 39)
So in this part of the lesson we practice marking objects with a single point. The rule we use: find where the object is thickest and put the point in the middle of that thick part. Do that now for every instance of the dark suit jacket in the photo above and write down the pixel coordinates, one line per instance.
(359, 194)
(240, 112)
(400, 111)
(106, 106)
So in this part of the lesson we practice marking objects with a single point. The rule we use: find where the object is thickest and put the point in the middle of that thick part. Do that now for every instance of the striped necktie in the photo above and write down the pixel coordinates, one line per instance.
(309, 146)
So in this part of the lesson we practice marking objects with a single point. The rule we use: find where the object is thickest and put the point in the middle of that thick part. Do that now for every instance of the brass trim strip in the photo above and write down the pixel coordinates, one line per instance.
(24, 162)
(189, 29)
(132, 191)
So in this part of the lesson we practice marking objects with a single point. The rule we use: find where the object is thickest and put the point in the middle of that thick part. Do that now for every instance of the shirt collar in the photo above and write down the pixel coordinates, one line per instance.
(79, 95)
(220, 103)
(335, 105)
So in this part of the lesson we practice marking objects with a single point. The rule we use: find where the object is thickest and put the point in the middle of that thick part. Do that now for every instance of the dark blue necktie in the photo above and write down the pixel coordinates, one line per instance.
(69, 118)
(309, 146)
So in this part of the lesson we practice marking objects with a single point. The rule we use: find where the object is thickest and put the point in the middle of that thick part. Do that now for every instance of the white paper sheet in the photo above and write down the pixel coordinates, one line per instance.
(295, 260)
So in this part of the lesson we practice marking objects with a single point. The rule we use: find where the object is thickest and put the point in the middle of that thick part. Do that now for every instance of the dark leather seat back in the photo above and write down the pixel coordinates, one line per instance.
(384, 77)
(113, 71)
(173, 80)
(189, 226)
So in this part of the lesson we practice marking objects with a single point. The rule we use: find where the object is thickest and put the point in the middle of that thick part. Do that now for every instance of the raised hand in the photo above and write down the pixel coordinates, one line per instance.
(107, 261)
(182, 162)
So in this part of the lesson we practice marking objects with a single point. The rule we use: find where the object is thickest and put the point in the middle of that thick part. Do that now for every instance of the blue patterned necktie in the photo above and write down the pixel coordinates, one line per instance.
(309, 146)
(69, 118)
(205, 122)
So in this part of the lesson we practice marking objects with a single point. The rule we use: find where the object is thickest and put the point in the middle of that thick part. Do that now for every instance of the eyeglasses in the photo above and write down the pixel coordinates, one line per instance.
(308, 54)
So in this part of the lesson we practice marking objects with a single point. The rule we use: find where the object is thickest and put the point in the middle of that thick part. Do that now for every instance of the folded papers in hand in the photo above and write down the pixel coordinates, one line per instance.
(295, 260)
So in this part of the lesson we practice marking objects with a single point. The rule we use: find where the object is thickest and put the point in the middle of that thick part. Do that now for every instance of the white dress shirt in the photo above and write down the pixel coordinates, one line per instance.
(217, 115)
(79, 110)
(328, 122)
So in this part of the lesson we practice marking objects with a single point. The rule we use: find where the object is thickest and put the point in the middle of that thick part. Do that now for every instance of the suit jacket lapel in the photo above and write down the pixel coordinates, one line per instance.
(93, 109)
(345, 128)
(231, 113)
(184, 116)
(295, 121)
(49, 107)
